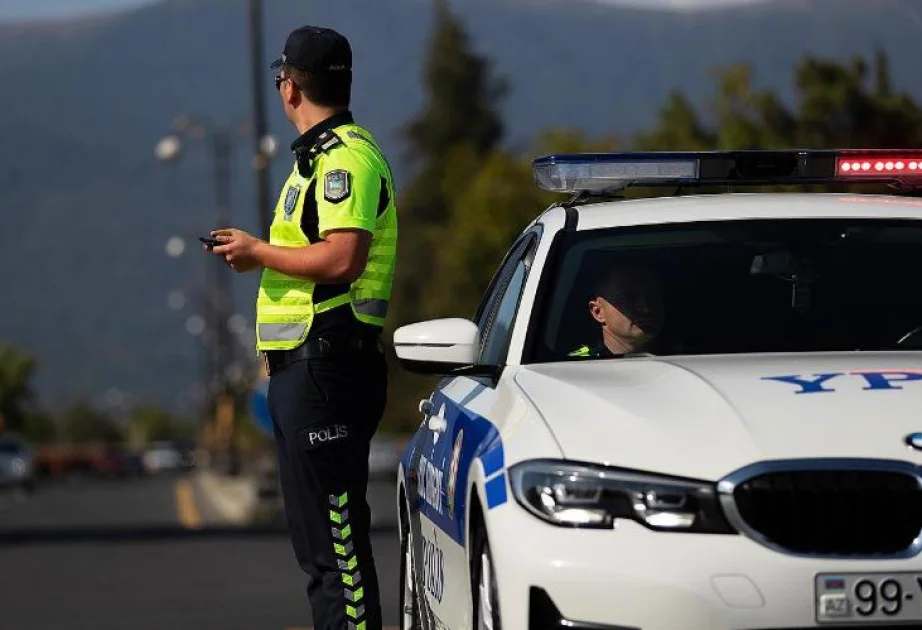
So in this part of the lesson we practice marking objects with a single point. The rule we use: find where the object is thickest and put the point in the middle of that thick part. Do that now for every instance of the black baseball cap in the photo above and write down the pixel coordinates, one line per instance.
(316, 49)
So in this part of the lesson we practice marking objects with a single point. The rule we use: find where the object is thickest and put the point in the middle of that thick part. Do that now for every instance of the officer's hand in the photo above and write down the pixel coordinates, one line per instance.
(238, 250)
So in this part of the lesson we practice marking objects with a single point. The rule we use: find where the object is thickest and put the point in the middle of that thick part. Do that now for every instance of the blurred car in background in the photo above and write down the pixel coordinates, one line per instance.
(118, 462)
(17, 468)
(187, 453)
(161, 457)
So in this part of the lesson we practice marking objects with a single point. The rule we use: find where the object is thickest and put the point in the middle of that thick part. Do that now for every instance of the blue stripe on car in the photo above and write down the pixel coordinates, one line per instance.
(481, 440)
(496, 491)
(493, 460)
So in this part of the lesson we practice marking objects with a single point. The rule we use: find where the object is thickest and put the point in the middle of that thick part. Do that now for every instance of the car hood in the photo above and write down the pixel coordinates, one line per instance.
(706, 416)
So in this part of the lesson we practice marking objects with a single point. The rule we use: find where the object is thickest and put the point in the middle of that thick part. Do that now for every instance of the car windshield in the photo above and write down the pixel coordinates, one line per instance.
(780, 285)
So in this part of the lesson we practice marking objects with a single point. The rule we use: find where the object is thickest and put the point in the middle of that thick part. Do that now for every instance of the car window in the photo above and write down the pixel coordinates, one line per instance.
(496, 342)
(778, 285)
(494, 291)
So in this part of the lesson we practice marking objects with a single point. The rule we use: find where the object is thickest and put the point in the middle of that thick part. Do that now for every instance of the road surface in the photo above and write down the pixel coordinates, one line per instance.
(153, 554)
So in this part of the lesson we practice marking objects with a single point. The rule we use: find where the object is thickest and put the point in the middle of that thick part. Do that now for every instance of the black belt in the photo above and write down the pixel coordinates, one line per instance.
(321, 348)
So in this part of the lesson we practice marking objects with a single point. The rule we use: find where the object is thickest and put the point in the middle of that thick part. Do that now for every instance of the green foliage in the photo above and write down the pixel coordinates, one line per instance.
(494, 200)
(40, 428)
(679, 128)
(80, 423)
(462, 99)
(84, 424)
(150, 424)
(460, 116)
(16, 371)
(838, 105)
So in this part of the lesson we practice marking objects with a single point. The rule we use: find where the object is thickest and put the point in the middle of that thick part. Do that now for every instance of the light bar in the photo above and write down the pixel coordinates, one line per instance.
(611, 172)
(601, 173)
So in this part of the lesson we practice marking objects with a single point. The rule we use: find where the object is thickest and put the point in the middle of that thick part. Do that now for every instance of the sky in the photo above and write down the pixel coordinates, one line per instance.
(32, 9)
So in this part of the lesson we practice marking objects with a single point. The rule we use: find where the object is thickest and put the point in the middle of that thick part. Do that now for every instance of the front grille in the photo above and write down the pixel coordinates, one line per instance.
(833, 512)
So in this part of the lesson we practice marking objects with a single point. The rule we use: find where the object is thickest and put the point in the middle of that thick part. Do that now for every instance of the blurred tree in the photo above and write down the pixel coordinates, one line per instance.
(148, 423)
(16, 370)
(749, 118)
(40, 428)
(461, 109)
(459, 123)
(84, 424)
(460, 115)
(678, 129)
(496, 199)
(837, 106)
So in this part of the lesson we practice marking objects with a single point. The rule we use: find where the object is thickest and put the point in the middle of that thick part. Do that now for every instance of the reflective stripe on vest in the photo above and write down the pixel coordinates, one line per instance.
(281, 332)
(371, 308)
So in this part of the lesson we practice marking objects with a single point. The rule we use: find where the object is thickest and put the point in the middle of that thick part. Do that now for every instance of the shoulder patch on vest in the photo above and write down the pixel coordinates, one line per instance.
(291, 200)
(336, 185)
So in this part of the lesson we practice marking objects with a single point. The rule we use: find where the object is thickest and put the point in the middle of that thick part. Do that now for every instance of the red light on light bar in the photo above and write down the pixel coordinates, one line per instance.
(886, 166)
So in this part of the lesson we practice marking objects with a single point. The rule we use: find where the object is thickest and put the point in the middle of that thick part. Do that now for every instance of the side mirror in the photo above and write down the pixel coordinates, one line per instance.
(439, 347)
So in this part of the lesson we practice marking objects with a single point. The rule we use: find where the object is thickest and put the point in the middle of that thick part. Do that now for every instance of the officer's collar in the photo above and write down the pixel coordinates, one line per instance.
(309, 138)
(602, 351)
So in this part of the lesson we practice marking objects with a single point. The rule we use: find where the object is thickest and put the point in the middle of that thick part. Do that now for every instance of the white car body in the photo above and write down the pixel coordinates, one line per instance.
(696, 417)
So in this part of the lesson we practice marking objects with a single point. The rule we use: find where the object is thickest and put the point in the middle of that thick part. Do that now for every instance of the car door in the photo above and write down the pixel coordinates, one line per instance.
(455, 432)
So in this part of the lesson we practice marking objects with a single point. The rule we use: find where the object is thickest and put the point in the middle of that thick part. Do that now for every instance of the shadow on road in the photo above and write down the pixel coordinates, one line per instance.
(105, 534)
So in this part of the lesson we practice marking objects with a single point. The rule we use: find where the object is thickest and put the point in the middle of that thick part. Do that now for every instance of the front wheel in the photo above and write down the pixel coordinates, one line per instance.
(486, 601)
(410, 618)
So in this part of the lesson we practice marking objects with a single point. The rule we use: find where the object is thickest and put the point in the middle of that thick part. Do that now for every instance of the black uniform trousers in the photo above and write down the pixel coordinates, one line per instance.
(325, 411)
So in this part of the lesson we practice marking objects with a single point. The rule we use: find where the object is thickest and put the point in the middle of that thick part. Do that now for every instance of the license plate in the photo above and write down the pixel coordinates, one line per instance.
(868, 598)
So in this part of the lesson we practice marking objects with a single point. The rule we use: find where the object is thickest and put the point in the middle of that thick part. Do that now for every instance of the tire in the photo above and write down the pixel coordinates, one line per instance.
(411, 613)
(483, 584)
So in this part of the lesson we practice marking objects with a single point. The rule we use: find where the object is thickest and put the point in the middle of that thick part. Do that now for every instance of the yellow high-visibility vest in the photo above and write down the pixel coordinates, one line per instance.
(350, 184)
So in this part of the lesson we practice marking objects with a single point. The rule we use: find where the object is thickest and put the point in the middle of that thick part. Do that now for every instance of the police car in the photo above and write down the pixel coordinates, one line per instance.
(754, 464)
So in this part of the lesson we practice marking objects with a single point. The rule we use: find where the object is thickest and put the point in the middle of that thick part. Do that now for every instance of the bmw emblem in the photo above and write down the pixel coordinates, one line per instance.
(914, 440)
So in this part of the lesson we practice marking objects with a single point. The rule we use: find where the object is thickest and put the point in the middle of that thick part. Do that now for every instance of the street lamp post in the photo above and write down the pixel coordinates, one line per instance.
(260, 163)
(218, 303)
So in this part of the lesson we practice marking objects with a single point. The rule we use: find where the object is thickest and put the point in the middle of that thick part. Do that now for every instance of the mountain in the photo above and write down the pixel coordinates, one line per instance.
(85, 209)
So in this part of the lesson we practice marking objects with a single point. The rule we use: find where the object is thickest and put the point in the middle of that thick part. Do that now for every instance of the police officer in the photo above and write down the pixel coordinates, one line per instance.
(326, 282)
(628, 306)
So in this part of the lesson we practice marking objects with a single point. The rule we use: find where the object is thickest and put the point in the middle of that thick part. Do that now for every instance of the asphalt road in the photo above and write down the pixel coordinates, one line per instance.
(101, 555)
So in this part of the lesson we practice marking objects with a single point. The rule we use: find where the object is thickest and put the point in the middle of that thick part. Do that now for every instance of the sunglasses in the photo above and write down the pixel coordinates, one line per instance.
(279, 79)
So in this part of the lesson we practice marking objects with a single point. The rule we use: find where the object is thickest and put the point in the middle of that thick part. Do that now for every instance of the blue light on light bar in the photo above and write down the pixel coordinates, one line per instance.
(599, 173)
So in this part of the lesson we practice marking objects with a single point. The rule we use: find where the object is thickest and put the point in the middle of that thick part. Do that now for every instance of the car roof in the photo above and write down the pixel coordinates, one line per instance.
(731, 206)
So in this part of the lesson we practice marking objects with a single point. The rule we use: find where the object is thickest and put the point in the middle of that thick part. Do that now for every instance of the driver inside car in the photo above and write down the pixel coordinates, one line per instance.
(627, 304)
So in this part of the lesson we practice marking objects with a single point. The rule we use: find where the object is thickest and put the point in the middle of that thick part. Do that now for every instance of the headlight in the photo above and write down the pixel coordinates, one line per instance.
(579, 495)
